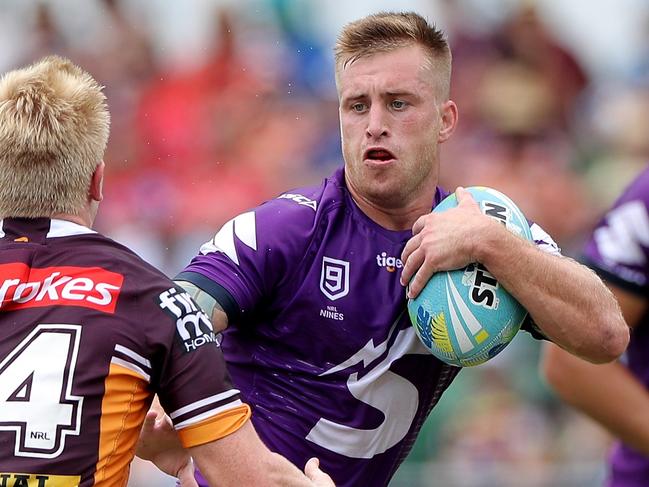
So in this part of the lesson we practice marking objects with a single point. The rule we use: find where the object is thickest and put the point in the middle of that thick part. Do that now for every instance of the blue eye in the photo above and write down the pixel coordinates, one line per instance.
(358, 107)
(398, 104)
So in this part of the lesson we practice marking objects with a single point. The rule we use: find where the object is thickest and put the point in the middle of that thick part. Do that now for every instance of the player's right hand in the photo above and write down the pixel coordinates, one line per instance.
(317, 476)
(159, 444)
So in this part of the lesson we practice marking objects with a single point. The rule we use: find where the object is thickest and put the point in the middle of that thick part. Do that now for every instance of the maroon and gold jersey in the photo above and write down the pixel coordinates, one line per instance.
(89, 332)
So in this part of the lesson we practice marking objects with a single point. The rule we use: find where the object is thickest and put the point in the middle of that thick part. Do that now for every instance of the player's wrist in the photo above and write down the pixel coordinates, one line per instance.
(489, 241)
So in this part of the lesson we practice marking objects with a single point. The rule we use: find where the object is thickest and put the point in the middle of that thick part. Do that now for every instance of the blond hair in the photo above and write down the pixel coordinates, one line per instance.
(387, 31)
(54, 126)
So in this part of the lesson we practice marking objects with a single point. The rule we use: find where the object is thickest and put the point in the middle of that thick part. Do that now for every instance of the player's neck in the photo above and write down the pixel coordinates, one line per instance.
(396, 219)
(82, 219)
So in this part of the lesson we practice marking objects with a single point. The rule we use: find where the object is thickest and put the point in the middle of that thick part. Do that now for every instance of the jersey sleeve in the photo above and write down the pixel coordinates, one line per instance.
(191, 379)
(253, 254)
(618, 248)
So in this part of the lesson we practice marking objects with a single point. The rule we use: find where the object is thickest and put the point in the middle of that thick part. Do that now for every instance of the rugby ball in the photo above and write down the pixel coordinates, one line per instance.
(465, 317)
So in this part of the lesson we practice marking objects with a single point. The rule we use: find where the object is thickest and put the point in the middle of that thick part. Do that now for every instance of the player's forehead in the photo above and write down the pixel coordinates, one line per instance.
(404, 69)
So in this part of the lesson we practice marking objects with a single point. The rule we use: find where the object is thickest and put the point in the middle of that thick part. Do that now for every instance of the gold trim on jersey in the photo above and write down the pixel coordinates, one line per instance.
(126, 401)
(215, 427)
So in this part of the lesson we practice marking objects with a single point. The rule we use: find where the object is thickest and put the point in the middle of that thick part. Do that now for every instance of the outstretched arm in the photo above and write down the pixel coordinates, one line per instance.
(242, 459)
(234, 460)
(568, 302)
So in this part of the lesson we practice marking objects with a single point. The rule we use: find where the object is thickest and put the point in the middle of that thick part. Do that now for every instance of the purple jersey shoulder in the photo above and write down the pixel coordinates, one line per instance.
(267, 243)
(619, 245)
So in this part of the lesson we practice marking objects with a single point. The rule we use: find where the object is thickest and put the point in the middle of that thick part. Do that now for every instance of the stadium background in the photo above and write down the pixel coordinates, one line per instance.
(219, 104)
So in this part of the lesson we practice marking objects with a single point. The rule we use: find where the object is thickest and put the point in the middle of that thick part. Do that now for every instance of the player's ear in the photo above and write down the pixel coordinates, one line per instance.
(449, 116)
(97, 183)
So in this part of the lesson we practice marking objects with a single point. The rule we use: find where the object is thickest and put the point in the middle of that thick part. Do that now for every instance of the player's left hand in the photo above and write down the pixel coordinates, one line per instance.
(159, 444)
(441, 242)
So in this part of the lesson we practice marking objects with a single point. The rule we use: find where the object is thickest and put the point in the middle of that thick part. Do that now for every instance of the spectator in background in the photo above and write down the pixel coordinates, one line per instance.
(519, 88)
(617, 394)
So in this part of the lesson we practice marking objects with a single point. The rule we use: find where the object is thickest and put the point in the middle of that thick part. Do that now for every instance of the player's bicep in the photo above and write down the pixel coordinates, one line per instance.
(208, 303)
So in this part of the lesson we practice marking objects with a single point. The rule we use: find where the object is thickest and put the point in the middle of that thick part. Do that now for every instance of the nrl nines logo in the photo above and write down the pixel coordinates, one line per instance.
(334, 278)
(192, 324)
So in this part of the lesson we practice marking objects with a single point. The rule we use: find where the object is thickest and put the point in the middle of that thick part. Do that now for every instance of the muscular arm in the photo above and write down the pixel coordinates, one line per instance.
(242, 459)
(568, 302)
(208, 304)
(237, 459)
(608, 393)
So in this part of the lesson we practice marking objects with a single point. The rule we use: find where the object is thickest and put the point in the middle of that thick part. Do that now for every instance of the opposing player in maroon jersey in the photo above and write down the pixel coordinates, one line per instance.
(88, 331)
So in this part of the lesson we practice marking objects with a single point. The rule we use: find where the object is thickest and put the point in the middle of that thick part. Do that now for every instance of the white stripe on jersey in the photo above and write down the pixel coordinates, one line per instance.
(625, 237)
(243, 226)
(544, 241)
(207, 414)
(203, 402)
(131, 366)
(134, 355)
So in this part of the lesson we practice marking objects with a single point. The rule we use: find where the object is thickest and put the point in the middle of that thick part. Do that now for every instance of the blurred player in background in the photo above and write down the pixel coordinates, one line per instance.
(310, 284)
(88, 331)
(617, 394)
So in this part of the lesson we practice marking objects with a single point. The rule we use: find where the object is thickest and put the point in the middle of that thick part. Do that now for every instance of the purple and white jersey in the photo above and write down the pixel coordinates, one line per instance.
(319, 342)
(619, 251)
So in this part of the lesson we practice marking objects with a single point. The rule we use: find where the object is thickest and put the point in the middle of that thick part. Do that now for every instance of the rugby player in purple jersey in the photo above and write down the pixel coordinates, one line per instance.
(617, 394)
(309, 287)
(88, 331)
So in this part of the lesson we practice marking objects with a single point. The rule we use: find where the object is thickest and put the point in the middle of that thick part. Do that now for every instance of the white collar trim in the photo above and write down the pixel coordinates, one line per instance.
(65, 228)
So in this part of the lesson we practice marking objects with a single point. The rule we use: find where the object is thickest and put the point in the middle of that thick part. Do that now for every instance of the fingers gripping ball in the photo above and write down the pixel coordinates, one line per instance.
(465, 317)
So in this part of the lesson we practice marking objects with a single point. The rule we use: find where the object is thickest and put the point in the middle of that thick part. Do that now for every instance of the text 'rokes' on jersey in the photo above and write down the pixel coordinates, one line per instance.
(26, 287)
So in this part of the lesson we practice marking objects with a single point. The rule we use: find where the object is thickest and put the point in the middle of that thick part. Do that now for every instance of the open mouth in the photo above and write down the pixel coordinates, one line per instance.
(378, 155)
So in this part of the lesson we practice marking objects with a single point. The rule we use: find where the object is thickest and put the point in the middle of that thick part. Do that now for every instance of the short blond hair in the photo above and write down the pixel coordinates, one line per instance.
(387, 31)
(54, 126)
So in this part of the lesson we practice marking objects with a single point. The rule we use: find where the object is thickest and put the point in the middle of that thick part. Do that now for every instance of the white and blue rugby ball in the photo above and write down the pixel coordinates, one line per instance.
(465, 317)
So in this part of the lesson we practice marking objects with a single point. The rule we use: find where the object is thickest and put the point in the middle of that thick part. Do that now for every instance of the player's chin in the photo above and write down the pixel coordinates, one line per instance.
(388, 192)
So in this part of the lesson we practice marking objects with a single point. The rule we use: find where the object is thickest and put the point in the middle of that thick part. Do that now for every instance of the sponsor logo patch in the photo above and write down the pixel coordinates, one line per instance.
(192, 324)
(300, 200)
(23, 287)
(388, 262)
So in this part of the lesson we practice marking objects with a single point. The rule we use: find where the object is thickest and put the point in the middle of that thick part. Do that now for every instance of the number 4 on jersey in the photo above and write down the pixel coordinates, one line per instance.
(35, 391)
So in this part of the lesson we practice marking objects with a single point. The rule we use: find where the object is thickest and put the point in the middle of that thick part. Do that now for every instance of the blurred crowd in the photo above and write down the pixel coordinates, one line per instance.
(251, 111)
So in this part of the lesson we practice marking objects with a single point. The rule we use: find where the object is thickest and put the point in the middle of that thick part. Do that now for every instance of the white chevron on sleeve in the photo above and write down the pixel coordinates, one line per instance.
(244, 227)
(626, 235)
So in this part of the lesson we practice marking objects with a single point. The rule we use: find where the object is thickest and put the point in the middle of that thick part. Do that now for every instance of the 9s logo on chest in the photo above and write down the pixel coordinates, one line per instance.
(334, 278)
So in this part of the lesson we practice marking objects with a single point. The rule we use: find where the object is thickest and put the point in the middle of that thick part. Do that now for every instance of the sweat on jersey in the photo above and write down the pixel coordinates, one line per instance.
(319, 342)
(619, 251)
(89, 332)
